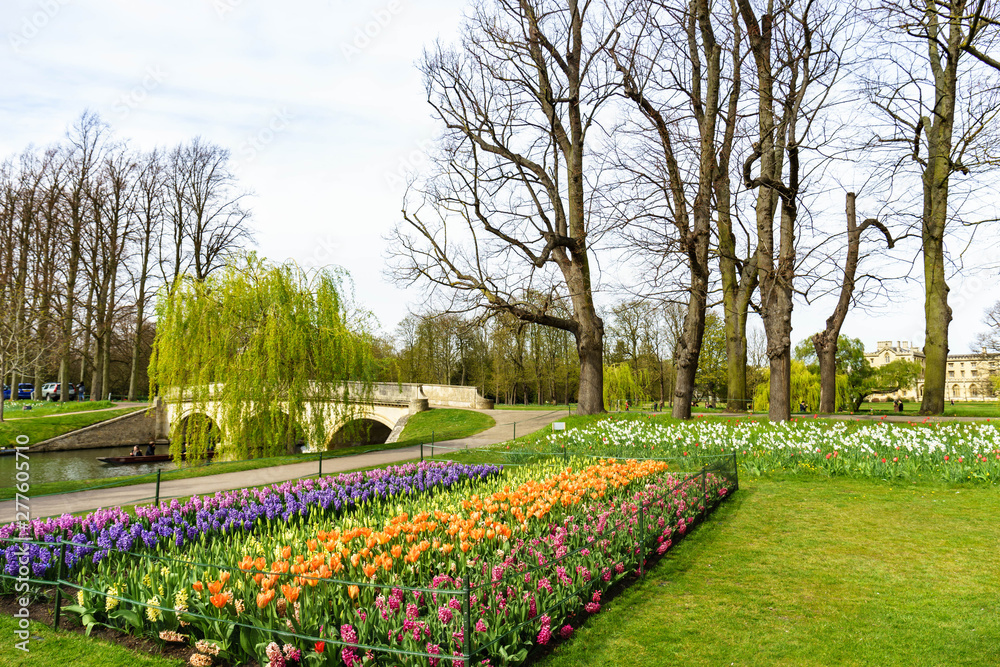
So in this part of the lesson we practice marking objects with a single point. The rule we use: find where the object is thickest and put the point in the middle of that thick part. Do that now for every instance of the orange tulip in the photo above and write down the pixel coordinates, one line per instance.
(224, 577)
(260, 564)
(369, 570)
(355, 559)
(291, 593)
(353, 591)
(214, 587)
(221, 600)
(197, 586)
(286, 553)
(264, 598)
(246, 564)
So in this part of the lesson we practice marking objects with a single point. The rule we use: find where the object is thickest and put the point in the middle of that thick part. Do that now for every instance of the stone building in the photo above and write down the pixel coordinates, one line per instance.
(970, 376)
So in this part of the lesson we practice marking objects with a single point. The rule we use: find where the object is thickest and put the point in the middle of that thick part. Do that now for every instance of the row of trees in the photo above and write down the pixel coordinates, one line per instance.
(695, 139)
(89, 230)
(514, 361)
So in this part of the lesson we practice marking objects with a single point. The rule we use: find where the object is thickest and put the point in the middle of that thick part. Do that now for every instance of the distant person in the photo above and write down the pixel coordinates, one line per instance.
(953, 401)
(136, 451)
(79, 391)
(803, 407)
(151, 448)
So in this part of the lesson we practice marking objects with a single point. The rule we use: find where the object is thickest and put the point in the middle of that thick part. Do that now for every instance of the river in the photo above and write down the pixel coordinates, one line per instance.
(78, 464)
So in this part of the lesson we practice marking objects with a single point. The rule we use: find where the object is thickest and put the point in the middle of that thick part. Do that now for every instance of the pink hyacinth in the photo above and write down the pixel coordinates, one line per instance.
(481, 625)
(592, 607)
(565, 631)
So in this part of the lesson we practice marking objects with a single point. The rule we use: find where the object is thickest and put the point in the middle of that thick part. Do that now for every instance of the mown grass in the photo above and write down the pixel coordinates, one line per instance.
(443, 424)
(46, 647)
(446, 424)
(814, 571)
(39, 428)
(15, 409)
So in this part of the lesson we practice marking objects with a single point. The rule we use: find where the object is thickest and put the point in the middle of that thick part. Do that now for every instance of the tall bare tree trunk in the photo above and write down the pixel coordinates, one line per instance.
(825, 342)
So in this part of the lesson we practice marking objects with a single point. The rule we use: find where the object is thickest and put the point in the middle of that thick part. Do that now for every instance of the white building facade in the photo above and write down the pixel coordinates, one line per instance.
(970, 376)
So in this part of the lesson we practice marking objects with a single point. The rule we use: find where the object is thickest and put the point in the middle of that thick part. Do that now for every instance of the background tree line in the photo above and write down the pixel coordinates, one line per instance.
(698, 144)
(90, 229)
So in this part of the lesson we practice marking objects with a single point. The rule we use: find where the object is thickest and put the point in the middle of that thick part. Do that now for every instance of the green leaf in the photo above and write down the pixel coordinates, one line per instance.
(128, 616)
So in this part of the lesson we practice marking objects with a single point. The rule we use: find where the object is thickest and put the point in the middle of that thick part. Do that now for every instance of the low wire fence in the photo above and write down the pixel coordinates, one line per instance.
(616, 540)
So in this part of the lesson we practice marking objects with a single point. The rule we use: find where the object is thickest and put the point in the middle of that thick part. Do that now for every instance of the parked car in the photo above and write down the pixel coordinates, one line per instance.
(25, 390)
(6, 393)
(50, 391)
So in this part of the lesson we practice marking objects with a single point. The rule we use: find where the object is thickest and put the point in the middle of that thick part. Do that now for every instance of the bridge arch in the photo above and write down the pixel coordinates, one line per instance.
(367, 429)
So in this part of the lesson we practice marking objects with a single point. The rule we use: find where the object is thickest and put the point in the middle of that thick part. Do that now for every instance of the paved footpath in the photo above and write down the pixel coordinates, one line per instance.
(524, 421)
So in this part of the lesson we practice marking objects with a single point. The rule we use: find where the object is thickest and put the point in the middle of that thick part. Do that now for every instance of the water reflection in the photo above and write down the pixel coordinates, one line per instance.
(79, 464)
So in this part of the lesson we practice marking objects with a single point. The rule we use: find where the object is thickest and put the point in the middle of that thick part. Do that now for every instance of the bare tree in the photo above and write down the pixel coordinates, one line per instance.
(86, 141)
(511, 210)
(206, 212)
(671, 68)
(149, 212)
(940, 108)
(796, 65)
(825, 341)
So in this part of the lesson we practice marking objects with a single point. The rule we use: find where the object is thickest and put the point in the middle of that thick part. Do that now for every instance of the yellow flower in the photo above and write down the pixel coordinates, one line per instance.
(147, 581)
(79, 599)
(181, 601)
(152, 613)
(164, 571)
(110, 602)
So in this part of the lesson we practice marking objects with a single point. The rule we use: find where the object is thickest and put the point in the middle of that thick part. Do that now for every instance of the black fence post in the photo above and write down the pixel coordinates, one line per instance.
(59, 575)
(515, 431)
(158, 487)
(421, 452)
(736, 473)
(320, 465)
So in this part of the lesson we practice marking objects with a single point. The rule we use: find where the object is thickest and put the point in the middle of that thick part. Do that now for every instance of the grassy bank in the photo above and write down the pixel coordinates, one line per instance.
(39, 428)
(15, 409)
(815, 572)
(443, 424)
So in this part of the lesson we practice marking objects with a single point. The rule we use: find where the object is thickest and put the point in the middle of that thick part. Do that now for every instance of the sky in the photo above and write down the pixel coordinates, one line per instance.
(323, 109)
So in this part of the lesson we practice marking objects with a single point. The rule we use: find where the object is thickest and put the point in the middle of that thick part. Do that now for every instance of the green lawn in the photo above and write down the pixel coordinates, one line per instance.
(443, 424)
(47, 647)
(815, 571)
(14, 409)
(39, 428)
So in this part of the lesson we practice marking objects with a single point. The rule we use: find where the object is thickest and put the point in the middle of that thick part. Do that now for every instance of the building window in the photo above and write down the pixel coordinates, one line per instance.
(886, 357)
(951, 374)
(951, 365)
(974, 373)
(963, 373)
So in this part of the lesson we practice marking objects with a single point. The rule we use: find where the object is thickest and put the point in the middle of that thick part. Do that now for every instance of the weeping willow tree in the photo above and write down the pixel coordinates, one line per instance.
(622, 383)
(269, 355)
(805, 388)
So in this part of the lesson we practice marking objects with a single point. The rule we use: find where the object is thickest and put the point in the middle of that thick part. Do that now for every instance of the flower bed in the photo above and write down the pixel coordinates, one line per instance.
(950, 452)
(225, 512)
(484, 571)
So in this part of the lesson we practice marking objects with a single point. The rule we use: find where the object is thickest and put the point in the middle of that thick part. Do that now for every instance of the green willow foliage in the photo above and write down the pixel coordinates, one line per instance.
(622, 384)
(805, 389)
(270, 354)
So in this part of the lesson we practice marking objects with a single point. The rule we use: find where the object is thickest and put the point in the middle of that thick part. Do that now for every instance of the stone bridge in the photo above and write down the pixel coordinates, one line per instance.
(383, 418)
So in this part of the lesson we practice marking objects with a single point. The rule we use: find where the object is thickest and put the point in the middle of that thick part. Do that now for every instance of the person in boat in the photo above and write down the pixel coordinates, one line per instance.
(151, 448)
(136, 451)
